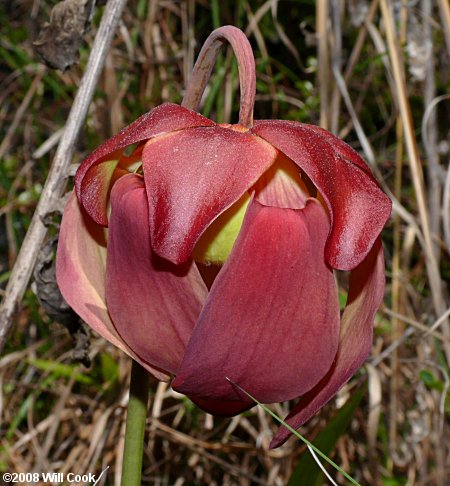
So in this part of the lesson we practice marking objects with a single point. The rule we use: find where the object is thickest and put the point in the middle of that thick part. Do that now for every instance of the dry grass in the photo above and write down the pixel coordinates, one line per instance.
(382, 76)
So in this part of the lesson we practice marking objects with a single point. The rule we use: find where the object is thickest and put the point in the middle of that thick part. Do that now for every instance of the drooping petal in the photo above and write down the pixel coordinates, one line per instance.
(349, 192)
(365, 295)
(342, 148)
(80, 273)
(194, 175)
(271, 322)
(96, 188)
(225, 408)
(90, 182)
(154, 304)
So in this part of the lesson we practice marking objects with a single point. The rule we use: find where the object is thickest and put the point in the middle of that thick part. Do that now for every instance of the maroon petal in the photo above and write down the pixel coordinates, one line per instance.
(80, 273)
(194, 175)
(89, 182)
(154, 305)
(358, 207)
(341, 148)
(225, 408)
(271, 322)
(365, 295)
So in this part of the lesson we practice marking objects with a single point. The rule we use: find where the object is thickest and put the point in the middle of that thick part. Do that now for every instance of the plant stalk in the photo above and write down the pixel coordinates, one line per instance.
(205, 63)
(135, 426)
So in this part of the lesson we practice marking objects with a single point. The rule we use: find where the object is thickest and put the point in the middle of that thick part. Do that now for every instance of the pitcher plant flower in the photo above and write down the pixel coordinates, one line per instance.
(206, 251)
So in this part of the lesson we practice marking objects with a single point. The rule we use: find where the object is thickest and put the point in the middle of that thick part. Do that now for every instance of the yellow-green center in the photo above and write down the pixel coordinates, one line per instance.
(217, 241)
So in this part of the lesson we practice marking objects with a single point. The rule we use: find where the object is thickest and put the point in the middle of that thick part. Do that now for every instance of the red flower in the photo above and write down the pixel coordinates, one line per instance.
(270, 321)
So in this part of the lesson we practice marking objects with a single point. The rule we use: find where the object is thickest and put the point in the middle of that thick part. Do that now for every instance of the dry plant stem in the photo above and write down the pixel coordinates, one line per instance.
(135, 427)
(6, 210)
(397, 325)
(373, 421)
(322, 48)
(430, 138)
(446, 209)
(362, 33)
(57, 177)
(364, 141)
(188, 23)
(259, 37)
(6, 142)
(426, 330)
(282, 34)
(255, 18)
(336, 62)
(444, 8)
(415, 166)
(426, 120)
(205, 63)
(53, 429)
(397, 207)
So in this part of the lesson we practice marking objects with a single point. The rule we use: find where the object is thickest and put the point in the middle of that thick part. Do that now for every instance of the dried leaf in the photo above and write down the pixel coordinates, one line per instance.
(53, 302)
(60, 39)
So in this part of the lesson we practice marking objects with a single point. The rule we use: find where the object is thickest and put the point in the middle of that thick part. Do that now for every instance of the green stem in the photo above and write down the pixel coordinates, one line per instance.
(135, 426)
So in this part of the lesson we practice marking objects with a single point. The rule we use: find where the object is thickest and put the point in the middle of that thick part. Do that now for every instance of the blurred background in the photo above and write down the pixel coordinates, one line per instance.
(375, 73)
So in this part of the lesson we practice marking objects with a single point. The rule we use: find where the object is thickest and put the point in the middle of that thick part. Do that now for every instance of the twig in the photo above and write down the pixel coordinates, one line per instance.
(336, 63)
(362, 33)
(430, 108)
(446, 209)
(57, 415)
(438, 322)
(57, 177)
(12, 245)
(444, 9)
(322, 55)
(418, 325)
(376, 360)
(430, 136)
(261, 43)
(6, 142)
(48, 144)
(364, 141)
(415, 166)
(427, 116)
(396, 380)
(37, 154)
(282, 34)
(255, 18)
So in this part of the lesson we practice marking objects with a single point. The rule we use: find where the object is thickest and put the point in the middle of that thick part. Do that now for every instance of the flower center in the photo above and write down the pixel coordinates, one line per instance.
(280, 186)
(217, 241)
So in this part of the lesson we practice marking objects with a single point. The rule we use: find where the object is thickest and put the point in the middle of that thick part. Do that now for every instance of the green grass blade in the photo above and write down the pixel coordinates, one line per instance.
(61, 370)
(326, 441)
(297, 434)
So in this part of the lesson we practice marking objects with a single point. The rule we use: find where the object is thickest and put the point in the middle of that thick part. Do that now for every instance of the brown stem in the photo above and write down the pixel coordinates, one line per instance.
(59, 172)
(205, 63)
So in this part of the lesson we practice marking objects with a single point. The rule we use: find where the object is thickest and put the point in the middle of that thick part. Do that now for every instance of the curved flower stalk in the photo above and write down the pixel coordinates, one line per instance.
(206, 250)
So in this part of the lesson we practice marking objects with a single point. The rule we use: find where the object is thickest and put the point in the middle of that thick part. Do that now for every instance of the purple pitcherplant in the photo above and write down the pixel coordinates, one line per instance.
(207, 250)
